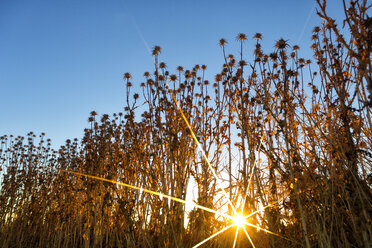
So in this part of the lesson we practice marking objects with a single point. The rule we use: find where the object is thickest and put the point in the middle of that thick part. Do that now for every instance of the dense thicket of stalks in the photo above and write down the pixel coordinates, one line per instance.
(277, 129)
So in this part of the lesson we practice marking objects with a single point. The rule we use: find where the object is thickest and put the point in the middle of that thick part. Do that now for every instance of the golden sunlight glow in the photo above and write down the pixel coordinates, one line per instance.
(239, 220)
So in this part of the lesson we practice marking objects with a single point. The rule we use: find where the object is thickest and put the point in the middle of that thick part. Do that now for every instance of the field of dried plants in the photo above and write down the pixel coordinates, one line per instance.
(288, 142)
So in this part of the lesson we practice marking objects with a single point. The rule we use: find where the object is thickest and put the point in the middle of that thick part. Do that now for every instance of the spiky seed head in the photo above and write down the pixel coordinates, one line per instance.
(273, 56)
(218, 78)
(127, 75)
(241, 37)
(173, 77)
(156, 50)
(281, 44)
(257, 36)
(316, 29)
(162, 65)
(242, 63)
(222, 42)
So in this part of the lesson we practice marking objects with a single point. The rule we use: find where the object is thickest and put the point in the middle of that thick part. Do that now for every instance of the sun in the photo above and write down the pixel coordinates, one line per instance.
(239, 220)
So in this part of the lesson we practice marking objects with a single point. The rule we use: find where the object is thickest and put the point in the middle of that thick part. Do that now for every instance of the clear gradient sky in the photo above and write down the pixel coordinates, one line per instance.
(61, 59)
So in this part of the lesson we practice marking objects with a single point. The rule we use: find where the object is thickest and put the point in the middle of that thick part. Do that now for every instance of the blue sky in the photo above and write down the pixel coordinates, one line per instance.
(59, 60)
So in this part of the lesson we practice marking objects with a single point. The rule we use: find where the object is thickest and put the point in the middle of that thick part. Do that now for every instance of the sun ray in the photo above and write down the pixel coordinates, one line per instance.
(202, 150)
(263, 229)
(268, 231)
(236, 236)
(268, 205)
(259, 210)
(249, 238)
(212, 236)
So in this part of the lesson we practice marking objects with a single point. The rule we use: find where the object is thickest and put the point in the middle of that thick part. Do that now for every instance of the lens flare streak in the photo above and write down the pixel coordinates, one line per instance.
(161, 195)
(236, 236)
(212, 236)
(249, 238)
